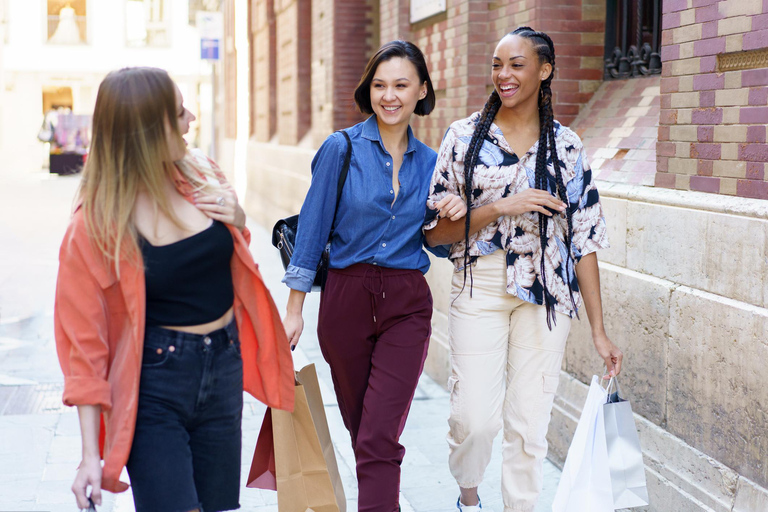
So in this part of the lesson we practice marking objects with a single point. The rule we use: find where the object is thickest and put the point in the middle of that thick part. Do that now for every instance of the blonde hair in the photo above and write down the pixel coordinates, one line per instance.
(130, 151)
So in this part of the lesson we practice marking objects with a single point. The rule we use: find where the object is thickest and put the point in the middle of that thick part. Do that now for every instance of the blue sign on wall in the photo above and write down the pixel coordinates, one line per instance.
(209, 49)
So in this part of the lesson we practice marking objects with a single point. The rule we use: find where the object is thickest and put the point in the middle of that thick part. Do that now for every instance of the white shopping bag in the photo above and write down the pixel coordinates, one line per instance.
(625, 457)
(585, 484)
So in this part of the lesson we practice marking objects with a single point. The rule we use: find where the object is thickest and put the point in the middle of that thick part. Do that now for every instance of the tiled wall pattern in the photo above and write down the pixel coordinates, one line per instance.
(712, 133)
(619, 127)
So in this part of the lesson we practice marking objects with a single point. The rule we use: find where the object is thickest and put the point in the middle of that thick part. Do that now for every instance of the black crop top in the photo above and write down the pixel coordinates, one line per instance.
(189, 282)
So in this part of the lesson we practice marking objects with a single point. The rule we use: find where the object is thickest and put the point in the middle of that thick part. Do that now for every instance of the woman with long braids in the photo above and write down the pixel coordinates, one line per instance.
(525, 258)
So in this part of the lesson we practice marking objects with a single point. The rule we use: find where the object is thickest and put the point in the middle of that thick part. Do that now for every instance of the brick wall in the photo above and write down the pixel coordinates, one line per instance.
(263, 69)
(459, 45)
(293, 48)
(712, 134)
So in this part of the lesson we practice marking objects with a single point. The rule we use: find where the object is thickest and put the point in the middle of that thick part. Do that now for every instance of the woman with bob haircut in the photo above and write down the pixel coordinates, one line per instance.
(376, 308)
(527, 244)
(161, 316)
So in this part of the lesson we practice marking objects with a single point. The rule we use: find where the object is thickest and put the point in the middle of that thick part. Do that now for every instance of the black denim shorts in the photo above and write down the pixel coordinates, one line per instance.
(186, 447)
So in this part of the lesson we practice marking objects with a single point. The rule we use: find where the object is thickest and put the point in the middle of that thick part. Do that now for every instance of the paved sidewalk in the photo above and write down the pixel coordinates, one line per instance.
(39, 438)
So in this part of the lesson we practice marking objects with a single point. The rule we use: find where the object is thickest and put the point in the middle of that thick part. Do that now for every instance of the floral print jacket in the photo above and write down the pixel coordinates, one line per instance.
(499, 173)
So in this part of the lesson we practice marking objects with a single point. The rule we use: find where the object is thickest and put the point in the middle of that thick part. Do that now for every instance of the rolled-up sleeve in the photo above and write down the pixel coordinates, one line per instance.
(81, 330)
(444, 180)
(316, 216)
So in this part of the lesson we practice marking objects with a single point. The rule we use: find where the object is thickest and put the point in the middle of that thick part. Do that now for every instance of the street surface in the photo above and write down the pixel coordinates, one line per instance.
(39, 437)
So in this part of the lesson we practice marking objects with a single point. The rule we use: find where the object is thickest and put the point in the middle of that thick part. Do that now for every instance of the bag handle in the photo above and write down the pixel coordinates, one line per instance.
(342, 179)
(612, 390)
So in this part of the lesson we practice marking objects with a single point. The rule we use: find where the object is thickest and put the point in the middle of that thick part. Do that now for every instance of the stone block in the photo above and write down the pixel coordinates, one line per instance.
(616, 221)
(750, 497)
(636, 316)
(717, 400)
(706, 244)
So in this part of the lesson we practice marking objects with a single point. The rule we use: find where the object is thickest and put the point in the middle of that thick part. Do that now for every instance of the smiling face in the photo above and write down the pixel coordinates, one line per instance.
(517, 72)
(395, 91)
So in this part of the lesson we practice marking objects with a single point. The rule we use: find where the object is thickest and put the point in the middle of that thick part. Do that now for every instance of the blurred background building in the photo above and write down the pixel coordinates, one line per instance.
(54, 54)
(671, 100)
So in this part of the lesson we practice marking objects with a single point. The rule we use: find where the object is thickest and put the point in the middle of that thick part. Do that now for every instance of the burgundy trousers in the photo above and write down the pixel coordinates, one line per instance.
(374, 328)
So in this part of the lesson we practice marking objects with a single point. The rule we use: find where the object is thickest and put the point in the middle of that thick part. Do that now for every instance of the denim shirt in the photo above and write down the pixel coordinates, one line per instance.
(369, 228)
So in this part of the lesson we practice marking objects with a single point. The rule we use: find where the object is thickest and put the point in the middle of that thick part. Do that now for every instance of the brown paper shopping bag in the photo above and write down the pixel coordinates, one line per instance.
(262, 474)
(306, 473)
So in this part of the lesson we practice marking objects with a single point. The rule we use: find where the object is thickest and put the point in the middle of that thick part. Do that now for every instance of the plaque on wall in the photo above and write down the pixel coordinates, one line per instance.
(423, 9)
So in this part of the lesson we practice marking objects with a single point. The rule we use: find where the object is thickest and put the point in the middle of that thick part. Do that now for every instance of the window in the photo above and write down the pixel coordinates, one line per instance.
(67, 22)
(632, 38)
(147, 22)
(4, 21)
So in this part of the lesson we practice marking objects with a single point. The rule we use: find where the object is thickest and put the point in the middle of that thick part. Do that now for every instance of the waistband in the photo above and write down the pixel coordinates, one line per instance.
(223, 335)
(363, 269)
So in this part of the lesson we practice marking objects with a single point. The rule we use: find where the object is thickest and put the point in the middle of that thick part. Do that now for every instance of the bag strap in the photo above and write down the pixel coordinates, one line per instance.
(342, 179)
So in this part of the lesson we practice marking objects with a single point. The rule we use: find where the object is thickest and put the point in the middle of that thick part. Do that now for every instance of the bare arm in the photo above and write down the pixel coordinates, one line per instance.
(89, 472)
(529, 200)
(294, 321)
(588, 274)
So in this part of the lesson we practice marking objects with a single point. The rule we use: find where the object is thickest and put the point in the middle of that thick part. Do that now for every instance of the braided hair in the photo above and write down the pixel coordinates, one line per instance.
(545, 49)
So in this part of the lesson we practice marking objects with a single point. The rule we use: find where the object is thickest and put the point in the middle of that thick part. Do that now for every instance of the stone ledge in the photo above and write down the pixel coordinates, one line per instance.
(756, 208)
(680, 478)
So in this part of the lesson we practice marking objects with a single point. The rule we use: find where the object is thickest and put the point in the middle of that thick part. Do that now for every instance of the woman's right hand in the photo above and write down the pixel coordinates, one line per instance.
(529, 200)
(89, 473)
(294, 325)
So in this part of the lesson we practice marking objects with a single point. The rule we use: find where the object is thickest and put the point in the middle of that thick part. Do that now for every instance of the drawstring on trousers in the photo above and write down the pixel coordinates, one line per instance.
(371, 273)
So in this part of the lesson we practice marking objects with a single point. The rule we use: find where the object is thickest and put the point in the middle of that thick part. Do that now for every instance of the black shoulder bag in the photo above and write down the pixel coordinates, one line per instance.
(284, 232)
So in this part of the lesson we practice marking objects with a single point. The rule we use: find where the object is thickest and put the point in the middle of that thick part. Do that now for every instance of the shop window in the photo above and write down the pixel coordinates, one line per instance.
(148, 22)
(4, 21)
(67, 22)
(632, 38)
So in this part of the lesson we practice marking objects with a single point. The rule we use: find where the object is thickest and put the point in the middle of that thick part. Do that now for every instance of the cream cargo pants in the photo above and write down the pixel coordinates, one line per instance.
(505, 370)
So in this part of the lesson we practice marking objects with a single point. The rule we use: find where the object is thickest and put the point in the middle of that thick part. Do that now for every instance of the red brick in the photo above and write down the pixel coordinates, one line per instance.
(668, 117)
(708, 13)
(760, 21)
(705, 133)
(664, 180)
(756, 134)
(671, 20)
(753, 152)
(670, 84)
(666, 101)
(708, 82)
(755, 171)
(705, 167)
(709, 46)
(705, 184)
(709, 29)
(671, 52)
(758, 96)
(707, 116)
(707, 99)
(708, 64)
(753, 115)
(752, 188)
(755, 39)
(664, 133)
(705, 151)
(704, 3)
(674, 5)
(754, 77)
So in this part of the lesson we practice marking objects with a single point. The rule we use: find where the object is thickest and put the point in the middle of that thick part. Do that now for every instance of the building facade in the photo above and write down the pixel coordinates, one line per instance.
(671, 100)
(56, 52)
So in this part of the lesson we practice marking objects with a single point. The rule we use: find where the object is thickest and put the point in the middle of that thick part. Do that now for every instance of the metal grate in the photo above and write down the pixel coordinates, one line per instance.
(632, 38)
(42, 398)
(738, 61)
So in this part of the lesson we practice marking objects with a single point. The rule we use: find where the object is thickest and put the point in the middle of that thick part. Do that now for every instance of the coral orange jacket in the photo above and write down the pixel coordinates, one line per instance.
(99, 328)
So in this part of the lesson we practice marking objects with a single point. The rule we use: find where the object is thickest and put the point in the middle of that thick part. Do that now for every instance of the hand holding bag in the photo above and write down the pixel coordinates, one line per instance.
(284, 231)
(294, 453)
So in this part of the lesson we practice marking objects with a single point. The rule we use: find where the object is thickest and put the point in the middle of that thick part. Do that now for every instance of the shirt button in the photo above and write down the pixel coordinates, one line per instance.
(387, 164)
(391, 191)
(393, 217)
(171, 349)
(375, 263)
(384, 244)
(207, 340)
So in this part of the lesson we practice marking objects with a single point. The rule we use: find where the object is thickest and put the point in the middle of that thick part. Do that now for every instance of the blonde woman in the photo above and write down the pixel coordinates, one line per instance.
(161, 317)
